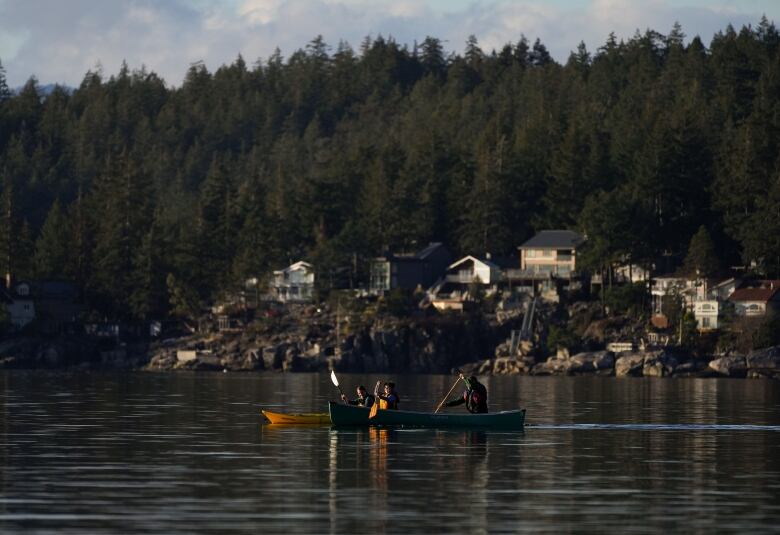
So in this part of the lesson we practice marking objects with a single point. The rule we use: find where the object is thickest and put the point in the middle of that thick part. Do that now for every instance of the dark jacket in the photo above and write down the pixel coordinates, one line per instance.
(366, 402)
(475, 398)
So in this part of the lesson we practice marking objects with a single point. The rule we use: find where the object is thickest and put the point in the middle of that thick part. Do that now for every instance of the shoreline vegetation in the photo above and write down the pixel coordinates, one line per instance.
(151, 204)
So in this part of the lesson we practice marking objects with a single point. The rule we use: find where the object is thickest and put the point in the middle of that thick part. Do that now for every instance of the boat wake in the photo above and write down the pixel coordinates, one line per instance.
(657, 427)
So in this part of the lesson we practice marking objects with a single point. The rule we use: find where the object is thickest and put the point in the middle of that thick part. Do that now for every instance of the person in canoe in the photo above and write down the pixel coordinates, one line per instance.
(475, 396)
(363, 399)
(390, 398)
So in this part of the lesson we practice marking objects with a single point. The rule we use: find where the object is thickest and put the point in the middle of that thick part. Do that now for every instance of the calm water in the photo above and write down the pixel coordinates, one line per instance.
(185, 453)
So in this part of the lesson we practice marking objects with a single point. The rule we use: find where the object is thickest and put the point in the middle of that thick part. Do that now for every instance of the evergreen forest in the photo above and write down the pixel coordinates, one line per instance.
(158, 199)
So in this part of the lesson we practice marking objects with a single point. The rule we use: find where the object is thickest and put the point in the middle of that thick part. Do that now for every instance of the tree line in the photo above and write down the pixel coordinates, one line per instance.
(153, 197)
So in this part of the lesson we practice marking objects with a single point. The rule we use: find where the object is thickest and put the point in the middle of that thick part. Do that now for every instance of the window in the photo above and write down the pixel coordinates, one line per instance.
(705, 322)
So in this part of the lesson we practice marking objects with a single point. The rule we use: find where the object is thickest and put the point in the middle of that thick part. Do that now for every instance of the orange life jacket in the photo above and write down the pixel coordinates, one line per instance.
(392, 404)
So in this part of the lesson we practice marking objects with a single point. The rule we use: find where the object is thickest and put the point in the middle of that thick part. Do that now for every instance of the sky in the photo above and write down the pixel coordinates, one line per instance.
(58, 41)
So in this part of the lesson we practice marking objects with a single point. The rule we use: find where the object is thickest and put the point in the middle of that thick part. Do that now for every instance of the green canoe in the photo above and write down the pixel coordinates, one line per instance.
(350, 415)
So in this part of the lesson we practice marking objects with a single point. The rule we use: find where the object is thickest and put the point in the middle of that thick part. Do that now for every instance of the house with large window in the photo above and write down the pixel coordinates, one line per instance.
(409, 271)
(551, 253)
(548, 260)
(294, 284)
(756, 298)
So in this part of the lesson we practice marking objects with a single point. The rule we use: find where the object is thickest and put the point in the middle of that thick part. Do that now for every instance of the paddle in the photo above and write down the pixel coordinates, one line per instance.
(375, 406)
(448, 394)
(335, 381)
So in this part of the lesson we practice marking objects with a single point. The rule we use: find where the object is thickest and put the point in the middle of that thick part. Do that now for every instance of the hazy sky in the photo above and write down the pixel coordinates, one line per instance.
(59, 40)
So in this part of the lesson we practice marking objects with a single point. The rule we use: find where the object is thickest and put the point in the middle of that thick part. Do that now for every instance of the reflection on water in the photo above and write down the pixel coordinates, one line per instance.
(185, 453)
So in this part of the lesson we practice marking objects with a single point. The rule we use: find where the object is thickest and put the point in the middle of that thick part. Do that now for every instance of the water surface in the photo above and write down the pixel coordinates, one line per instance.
(185, 453)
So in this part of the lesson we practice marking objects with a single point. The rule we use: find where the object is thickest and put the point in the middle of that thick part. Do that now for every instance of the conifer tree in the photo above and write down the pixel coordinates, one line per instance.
(53, 245)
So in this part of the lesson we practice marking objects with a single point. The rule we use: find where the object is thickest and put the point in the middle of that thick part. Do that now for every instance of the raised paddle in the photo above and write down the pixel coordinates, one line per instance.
(375, 406)
(335, 381)
(448, 394)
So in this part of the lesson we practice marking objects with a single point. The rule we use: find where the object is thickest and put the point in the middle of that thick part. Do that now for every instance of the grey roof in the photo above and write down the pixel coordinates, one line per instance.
(553, 239)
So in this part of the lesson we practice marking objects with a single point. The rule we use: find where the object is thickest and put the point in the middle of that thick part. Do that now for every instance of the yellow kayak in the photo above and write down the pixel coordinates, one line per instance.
(321, 418)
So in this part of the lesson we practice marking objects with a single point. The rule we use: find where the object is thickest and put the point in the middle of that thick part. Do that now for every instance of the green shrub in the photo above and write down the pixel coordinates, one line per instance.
(397, 303)
(628, 299)
(561, 337)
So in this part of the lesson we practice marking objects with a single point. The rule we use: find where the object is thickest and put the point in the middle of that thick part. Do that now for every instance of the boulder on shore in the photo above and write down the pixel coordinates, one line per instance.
(629, 364)
(764, 359)
(590, 362)
(659, 364)
(729, 366)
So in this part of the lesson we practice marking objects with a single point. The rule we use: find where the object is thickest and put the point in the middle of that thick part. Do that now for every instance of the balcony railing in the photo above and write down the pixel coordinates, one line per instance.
(461, 278)
(519, 274)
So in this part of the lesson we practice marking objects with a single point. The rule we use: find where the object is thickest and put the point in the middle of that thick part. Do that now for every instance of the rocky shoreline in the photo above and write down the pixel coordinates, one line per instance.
(367, 339)
(759, 364)
(389, 345)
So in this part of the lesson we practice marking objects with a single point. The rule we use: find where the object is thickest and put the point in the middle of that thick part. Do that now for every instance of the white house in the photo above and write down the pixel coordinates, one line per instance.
(756, 299)
(19, 304)
(707, 313)
(664, 290)
(293, 284)
(470, 268)
(452, 291)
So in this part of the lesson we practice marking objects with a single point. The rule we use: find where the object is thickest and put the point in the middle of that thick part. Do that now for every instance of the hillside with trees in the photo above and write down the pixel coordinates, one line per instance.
(152, 197)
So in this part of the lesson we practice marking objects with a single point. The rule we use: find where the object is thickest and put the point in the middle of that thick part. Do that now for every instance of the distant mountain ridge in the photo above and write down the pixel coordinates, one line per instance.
(45, 90)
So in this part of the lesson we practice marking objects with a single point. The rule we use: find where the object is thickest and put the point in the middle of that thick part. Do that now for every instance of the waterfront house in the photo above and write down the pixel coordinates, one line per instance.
(409, 271)
(19, 304)
(755, 298)
(452, 291)
(470, 269)
(54, 305)
(294, 284)
(710, 299)
(670, 291)
(551, 253)
(707, 313)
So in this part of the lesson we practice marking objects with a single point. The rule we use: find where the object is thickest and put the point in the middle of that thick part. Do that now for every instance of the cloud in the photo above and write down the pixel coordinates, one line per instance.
(60, 41)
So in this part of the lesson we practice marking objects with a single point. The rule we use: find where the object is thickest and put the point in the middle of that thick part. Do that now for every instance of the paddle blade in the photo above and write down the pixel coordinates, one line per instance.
(374, 409)
(333, 378)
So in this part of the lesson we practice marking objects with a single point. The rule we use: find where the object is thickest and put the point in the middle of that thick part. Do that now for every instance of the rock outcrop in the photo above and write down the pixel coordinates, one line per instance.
(729, 366)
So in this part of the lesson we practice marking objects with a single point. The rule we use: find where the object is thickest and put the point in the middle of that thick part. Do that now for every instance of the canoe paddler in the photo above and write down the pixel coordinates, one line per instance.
(475, 396)
(390, 398)
(363, 399)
